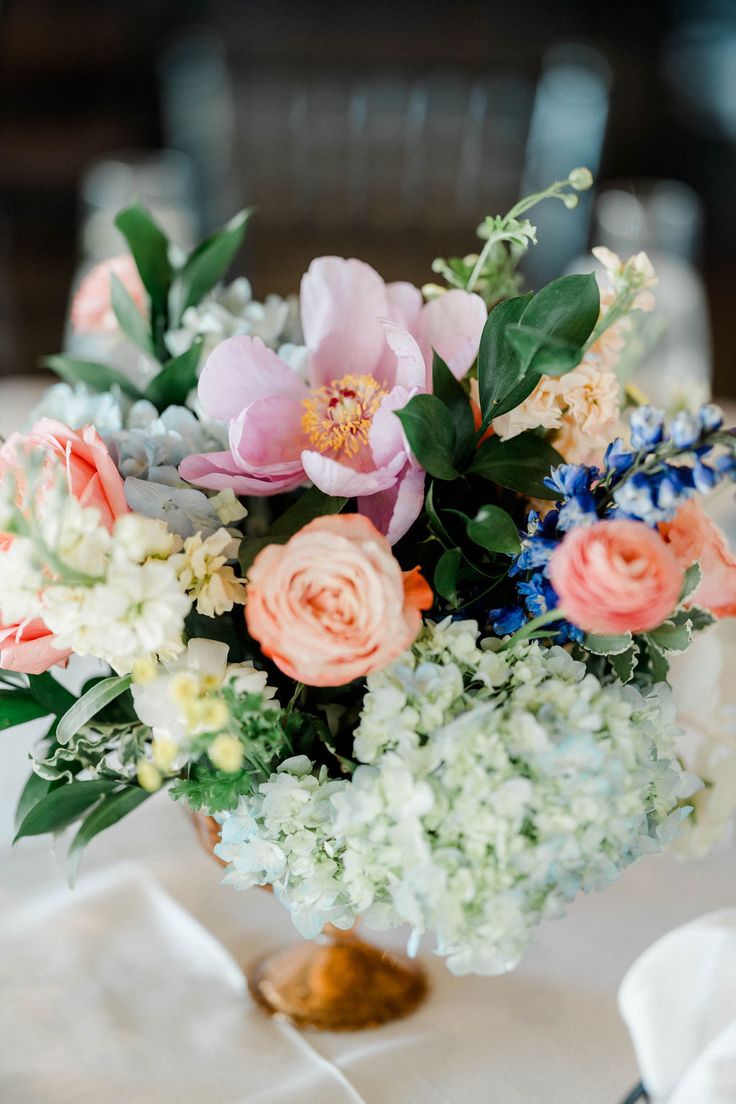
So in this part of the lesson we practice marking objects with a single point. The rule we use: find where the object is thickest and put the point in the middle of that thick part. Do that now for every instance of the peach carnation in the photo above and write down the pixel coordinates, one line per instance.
(92, 308)
(333, 604)
(592, 396)
(615, 577)
(693, 536)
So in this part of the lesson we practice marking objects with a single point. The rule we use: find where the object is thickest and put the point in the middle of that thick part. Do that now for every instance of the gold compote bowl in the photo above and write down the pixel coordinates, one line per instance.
(336, 982)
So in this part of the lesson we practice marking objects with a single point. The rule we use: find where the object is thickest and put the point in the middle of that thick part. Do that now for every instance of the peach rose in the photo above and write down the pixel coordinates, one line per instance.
(92, 308)
(693, 536)
(616, 577)
(90, 472)
(333, 604)
(29, 648)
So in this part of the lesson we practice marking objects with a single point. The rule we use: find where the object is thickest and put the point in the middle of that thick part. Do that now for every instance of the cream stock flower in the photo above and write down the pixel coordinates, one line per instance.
(541, 408)
(205, 575)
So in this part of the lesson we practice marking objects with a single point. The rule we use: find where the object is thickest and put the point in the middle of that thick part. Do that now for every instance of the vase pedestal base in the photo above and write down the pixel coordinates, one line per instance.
(337, 983)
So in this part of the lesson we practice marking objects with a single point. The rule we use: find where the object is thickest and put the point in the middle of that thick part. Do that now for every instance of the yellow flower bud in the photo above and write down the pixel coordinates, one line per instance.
(148, 775)
(184, 689)
(144, 670)
(226, 753)
(164, 753)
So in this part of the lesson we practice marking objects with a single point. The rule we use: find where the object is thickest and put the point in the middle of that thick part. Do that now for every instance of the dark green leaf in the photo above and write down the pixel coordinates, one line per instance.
(49, 692)
(205, 265)
(19, 706)
(495, 530)
(608, 645)
(435, 522)
(452, 393)
(176, 379)
(312, 504)
(130, 319)
(34, 789)
(150, 248)
(62, 806)
(566, 309)
(499, 367)
(89, 705)
(431, 435)
(624, 664)
(446, 572)
(545, 355)
(97, 376)
(519, 464)
(109, 811)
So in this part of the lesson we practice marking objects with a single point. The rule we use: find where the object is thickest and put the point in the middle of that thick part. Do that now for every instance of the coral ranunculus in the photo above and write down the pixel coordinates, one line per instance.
(90, 472)
(92, 308)
(694, 537)
(615, 577)
(333, 604)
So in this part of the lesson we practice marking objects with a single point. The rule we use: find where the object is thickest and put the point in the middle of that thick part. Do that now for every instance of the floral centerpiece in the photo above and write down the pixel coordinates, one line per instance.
(384, 580)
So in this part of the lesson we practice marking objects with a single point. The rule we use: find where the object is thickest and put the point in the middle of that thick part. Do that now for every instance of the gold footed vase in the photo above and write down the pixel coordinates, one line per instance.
(336, 982)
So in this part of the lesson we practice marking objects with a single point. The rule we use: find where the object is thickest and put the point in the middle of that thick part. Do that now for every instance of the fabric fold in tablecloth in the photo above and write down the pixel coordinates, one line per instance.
(114, 993)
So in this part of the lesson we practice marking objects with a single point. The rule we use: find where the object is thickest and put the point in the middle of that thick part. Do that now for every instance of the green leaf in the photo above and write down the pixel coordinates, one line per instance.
(130, 319)
(97, 376)
(624, 663)
(445, 574)
(520, 464)
(670, 637)
(495, 530)
(435, 522)
(695, 617)
(693, 579)
(19, 706)
(46, 690)
(452, 393)
(431, 435)
(108, 811)
(312, 504)
(544, 355)
(205, 265)
(176, 379)
(89, 705)
(34, 789)
(499, 367)
(62, 806)
(566, 309)
(608, 645)
(150, 248)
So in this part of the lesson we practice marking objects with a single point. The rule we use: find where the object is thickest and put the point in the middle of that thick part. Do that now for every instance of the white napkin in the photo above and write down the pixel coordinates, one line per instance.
(112, 993)
(679, 1003)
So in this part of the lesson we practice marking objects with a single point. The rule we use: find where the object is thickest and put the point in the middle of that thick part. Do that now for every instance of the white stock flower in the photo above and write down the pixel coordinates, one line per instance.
(21, 580)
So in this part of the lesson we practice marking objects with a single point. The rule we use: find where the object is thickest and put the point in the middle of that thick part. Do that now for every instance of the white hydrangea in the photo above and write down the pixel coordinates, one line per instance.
(232, 310)
(77, 406)
(493, 786)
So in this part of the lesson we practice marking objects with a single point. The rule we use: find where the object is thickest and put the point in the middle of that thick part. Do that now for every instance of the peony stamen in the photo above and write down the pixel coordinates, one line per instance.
(338, 417)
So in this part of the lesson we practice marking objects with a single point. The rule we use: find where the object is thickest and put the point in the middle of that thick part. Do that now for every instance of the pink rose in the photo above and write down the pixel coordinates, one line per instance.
(333, 604)
(90, 472)
(91, 307)
(29, 648)
(616, 577)
(692, 536)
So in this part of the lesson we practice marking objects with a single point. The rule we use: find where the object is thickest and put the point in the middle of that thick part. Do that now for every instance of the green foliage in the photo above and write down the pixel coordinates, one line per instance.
(150, 248)
(214, 790)
(111, 808)
(99, 377)
(89, 705)
(452, 393)
(495, 530)
(133, 324)
(176, 379)
(312, 504)
(431, 435)
(205, 265)
(499, 369)
(520, 464)
(60, 807)
(624, 663)
(446, 574)
(608, 645)
(19, 706)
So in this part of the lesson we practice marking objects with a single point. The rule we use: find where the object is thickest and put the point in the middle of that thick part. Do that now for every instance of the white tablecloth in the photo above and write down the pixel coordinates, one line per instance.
(132, 1001)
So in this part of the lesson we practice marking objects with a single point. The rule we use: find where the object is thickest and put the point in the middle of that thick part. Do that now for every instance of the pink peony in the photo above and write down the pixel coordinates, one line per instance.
(333, 604)
(616, 577)
(693, 536)
(91, 307)
(29, 648)
(90, 472)
(370, 352)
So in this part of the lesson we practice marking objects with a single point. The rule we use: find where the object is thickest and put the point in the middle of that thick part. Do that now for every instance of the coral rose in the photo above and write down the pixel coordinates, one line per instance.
(29, 648)
(90, 472)
(616, 577)
(333, 604)
(92, 311)
(693, 536)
